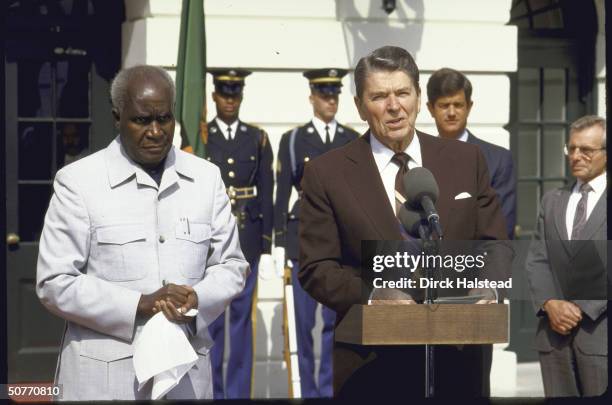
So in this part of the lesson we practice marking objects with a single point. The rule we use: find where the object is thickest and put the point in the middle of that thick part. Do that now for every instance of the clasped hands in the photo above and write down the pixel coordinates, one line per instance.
(171, 299)
(563, 316)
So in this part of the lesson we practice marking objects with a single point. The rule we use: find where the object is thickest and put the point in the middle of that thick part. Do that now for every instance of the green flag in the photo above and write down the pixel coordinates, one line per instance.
(190, 78)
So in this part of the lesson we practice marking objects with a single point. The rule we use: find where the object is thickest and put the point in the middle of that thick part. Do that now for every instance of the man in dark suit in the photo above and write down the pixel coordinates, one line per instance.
(348, 196)
(566, 268)
(449, 101)
(244, 155)
(297, 147)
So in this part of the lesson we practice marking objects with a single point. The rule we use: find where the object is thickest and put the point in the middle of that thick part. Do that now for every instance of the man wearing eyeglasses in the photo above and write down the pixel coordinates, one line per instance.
(566, 268)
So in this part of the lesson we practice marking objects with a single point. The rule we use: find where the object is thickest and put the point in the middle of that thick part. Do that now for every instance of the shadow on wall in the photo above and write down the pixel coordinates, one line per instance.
(366, 31)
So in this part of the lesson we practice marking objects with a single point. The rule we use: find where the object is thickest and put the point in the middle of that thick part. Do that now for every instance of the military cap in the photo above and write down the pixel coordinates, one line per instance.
(327, 81)
(229, 81)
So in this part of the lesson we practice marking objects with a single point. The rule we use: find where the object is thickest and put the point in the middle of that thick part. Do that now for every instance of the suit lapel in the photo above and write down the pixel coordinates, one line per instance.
(340, 137)
(312, 137)
(471, 138)
(239, 136)
(364, 181)
(430, 155)
(559, 210)
(596, 220)
(215, 137)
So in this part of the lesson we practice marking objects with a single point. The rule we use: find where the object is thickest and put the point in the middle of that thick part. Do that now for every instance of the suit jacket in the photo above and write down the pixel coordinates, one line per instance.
(503, 178)
(308, 145)
(111, 234)
(246, 161)
(344, 202)
(570, 270)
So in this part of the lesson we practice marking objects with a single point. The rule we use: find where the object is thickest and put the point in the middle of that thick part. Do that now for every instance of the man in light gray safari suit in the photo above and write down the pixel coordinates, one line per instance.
(137, 228)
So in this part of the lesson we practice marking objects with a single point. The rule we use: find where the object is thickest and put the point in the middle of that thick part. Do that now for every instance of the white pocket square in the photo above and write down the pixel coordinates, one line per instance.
(463, 195)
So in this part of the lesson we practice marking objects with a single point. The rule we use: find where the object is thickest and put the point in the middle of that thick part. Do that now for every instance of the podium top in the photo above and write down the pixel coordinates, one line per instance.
(424, 324)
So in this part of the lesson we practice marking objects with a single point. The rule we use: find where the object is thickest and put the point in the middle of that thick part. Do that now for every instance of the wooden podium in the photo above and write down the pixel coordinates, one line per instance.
(421, 324)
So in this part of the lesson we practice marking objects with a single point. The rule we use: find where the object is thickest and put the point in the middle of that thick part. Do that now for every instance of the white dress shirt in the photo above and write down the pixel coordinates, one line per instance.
(464, 136)
(598, 184)
(388, 169)
(223, 127)
(319, 125)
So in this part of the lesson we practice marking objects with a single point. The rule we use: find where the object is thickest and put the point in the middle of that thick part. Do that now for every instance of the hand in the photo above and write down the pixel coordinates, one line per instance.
(266, 267)
(175, 294)
(174, 314)
(563, 316)
(280, 260)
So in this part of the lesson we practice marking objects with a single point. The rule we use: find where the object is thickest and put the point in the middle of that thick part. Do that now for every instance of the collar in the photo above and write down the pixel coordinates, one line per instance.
(319, 125)
(223, 127)
(464, 136)
(383, 155)
(598, 184)
(120, 167)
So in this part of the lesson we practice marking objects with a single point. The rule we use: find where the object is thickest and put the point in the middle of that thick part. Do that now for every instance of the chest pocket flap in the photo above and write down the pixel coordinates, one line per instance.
(194, 232)
(121, 234)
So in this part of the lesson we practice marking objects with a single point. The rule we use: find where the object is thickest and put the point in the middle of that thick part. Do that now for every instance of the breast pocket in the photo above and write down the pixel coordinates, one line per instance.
(120, 249)
(193, 244)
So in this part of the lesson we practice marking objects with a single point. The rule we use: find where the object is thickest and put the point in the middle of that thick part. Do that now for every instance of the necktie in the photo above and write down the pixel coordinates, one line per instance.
(401, 159)
(580, 216)
(229, 133)
(327, 137)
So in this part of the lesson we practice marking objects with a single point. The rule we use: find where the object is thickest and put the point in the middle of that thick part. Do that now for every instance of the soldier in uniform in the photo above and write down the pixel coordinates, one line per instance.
(297, 147)
(244, 155)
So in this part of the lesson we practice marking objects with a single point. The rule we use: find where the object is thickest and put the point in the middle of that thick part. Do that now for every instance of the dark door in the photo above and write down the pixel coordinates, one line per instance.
(552, 87)
(57, 111)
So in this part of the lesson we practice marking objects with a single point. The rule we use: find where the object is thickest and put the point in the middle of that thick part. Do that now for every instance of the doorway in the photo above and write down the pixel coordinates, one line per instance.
(57, 111)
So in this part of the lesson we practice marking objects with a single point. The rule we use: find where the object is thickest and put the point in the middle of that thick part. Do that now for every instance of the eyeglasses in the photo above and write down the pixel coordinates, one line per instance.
(584, 151)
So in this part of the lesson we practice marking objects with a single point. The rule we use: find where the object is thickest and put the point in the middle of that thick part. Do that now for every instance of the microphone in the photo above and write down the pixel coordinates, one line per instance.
(421, 193)
(414, 222)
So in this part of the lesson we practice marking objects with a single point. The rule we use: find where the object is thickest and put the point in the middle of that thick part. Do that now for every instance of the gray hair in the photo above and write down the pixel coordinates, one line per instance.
(386, 58)
(589, 121)
(119, 86)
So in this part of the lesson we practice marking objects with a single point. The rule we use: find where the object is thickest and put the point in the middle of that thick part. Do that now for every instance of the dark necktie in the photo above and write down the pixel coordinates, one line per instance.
(229, 133)
(327, 137)
(580, 217)
(401, 159)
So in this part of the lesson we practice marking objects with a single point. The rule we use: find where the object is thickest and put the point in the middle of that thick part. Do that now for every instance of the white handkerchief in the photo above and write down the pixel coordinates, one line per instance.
(463, 195)
(163, 352)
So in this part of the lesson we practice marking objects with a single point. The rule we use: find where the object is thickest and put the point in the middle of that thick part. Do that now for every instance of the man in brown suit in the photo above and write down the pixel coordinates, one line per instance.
(348, 196)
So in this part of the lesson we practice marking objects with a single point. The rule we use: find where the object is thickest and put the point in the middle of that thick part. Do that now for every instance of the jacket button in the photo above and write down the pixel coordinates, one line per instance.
(161, 239)
(306, 159)
(231, 175)
(230, 161)
(232, 201)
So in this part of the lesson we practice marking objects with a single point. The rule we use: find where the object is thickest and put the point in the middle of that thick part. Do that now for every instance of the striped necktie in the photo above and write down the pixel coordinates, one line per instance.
(580, 217)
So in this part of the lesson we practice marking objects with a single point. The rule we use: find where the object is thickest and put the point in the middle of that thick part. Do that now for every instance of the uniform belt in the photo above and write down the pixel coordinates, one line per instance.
(240, 193)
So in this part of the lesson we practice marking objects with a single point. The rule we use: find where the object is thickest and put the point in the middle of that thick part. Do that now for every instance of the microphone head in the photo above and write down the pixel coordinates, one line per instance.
(411, 219)
(418, 183)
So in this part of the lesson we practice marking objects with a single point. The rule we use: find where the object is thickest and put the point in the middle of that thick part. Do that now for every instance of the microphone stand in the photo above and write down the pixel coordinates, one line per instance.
(430, 247)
